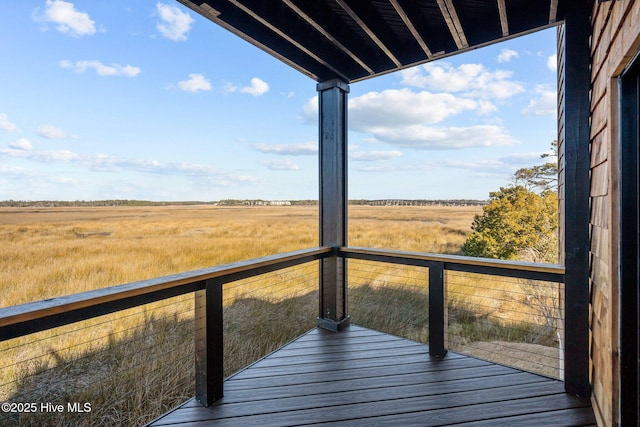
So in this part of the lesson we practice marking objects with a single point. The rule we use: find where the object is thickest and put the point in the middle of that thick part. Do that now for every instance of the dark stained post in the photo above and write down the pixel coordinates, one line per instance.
(577, 81)
(629, 226)
(333, 202)
(437, 311)
(209, 343)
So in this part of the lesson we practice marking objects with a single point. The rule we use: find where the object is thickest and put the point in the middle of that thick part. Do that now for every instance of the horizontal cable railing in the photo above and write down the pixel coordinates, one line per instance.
(251, 308)
(117, 369)
(264, 312)
(129, 366)
(390, 298)
(503, 311)
(512, 321)
(27, 318)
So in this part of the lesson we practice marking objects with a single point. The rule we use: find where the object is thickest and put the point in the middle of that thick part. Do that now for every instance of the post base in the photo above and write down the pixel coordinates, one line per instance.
(332, 325)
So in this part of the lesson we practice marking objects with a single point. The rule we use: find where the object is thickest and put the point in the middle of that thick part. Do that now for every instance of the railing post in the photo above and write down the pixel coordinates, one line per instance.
(437, 311)
(209, 344)
(333, 202)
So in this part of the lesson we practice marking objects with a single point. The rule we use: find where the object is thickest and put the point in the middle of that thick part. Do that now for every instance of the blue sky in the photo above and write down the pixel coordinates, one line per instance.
(148, 100)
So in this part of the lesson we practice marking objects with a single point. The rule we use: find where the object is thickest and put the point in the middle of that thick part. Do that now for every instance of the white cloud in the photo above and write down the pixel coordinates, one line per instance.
(258, 87)
(486, 107)
(18, 173)
(310, 110)
(53, 132)
(280, 164)
(174, 24)
(482, 166)
(545, 104)
(373, 156)
(229, 88)
(41, 156)
(68, 19)
(5, 124)
(400, 107)
(507, 55)
(552, 62)
(305, 148)
(101, 69)
(106, 163)
(529, 158)
(21, 144)
(195, 83)
(404, 118)
(445, 138)
(383, 167)
(470, 80)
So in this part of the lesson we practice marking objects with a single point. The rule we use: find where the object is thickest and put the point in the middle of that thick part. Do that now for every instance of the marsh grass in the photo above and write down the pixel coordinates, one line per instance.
(134, 365)
(134, 375)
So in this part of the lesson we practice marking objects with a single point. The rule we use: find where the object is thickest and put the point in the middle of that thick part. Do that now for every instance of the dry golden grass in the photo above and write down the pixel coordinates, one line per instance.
(435, 229)
(43, 255)
(48, 252)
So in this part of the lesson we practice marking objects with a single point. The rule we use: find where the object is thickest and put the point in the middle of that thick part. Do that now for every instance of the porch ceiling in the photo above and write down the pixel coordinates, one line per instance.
(355, 40)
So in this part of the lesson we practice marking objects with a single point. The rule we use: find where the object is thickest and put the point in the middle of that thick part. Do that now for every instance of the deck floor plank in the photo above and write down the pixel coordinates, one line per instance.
(344, 369)
(378, 379)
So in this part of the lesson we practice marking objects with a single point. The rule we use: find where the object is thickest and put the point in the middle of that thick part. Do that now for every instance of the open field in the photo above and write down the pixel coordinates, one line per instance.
(134, 365)
(49, 252)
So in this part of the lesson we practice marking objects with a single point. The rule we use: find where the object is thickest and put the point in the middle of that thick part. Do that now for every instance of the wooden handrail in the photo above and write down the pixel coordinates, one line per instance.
(527, 270)
(27, 318)
(36, 316)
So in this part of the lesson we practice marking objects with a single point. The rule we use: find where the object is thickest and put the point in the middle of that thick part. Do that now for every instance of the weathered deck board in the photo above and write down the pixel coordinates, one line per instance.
(363, 377)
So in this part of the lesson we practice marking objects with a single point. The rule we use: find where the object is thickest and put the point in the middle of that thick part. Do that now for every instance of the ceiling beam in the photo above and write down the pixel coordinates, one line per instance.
(453, 22)
(283, 35)
(327, 35)
(411, 27)
(504, 22)
(369, 32)
(214, 15)
(553, 11)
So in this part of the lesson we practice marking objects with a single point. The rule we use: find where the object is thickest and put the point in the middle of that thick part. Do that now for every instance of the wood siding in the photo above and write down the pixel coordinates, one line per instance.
(615, 40)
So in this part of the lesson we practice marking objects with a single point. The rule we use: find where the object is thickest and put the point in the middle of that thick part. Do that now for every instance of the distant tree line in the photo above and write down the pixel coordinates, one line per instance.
(236, 202)
(91, 203)
(419, 202)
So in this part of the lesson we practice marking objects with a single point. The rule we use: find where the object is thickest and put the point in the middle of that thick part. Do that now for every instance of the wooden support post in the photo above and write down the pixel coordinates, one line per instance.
(437, 311)
(333, 202)
(629, 228)
(209, 343)
(577, 56)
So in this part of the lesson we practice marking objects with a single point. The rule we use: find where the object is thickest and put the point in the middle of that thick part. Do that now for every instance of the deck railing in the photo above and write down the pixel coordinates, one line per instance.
(207, 284)
(514, 309)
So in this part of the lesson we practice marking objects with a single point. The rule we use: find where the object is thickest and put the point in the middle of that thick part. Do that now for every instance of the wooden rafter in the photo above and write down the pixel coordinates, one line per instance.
(553, 11)
(353, 40)
(453, 22)
(411, 27)
(369, 32)
(504, 22)
(327, 35)
(285, 36)
(214, 16)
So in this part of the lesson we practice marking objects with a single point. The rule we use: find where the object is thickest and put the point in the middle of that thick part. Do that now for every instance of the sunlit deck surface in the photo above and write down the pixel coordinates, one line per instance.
(363, 377)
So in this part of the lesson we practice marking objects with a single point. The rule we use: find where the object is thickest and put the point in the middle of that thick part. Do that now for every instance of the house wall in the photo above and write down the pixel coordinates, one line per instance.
(615, 40)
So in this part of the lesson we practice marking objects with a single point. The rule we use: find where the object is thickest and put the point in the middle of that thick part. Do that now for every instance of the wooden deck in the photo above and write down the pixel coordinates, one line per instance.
(364, 377)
